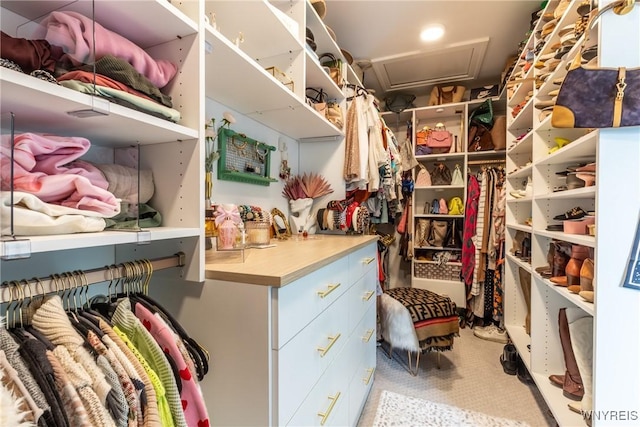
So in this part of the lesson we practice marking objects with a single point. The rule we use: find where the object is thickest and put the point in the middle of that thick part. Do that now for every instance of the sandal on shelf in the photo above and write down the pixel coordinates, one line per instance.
(589, 178)
(560, 142)
(574, 213)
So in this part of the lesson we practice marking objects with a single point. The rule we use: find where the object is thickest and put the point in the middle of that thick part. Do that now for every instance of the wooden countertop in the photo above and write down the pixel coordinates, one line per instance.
(287, 261)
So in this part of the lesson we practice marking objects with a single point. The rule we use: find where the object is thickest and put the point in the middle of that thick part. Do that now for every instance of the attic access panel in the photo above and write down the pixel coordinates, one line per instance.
(457, 62)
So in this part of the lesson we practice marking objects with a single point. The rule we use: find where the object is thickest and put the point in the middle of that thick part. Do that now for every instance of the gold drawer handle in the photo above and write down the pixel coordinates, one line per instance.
(368, 378)
(368, 260)
(368, 336)
(330, 288)
(368, 295)
(325, 415)
(323, 351)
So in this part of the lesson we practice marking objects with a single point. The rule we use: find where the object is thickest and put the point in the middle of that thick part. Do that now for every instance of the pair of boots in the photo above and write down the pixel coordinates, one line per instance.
(586, 287)
(512, 364)
(557, 258)
(576, 338)
(571, 276)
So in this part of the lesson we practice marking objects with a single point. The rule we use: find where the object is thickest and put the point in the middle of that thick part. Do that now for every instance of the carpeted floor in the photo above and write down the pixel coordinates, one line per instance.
(470, 377)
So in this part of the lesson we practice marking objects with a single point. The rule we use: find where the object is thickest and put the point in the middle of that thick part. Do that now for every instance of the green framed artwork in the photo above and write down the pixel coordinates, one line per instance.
(243, 159)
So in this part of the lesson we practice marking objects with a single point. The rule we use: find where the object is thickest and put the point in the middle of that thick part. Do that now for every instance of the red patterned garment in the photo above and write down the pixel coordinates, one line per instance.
(470, 218)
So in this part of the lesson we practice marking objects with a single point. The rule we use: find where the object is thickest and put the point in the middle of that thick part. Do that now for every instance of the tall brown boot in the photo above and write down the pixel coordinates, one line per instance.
(572, 382)
(525, 284)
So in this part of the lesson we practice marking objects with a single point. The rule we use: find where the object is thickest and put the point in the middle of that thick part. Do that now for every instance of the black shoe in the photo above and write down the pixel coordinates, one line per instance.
(509, 359)
(523, 373)
(574, 213)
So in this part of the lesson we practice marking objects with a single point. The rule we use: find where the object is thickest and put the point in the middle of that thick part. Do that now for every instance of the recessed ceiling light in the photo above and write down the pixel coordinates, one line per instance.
(432, 33)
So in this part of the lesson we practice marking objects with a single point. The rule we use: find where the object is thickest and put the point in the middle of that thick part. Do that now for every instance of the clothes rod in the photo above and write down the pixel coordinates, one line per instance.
(486, 162)
(47, 285)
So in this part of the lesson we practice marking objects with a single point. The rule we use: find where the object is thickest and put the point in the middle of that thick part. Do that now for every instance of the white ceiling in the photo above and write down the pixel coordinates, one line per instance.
(386, 34)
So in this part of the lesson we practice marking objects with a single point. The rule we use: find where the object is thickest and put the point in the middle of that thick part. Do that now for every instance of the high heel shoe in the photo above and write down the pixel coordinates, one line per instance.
(560, 142)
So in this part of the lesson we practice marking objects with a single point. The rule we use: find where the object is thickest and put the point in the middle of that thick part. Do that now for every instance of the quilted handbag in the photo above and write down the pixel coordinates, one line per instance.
(423, 178)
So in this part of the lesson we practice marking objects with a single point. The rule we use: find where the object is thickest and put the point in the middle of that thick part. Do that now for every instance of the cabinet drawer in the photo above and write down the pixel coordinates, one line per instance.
(304, 359)
(361, 261)
(298, 303)
(362, 296)
(364, 366)
(330, 396)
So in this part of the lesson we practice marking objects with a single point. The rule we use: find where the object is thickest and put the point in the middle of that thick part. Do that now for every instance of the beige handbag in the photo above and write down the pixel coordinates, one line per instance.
(423, 178)
(446, 94)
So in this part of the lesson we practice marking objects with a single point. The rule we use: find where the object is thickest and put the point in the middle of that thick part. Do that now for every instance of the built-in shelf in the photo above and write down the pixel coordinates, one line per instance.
(106, 238)
(40, 106)
(519, 262)
(579, 239)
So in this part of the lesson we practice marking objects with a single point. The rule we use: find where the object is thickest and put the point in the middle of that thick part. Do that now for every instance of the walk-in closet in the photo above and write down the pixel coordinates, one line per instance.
(319, 212)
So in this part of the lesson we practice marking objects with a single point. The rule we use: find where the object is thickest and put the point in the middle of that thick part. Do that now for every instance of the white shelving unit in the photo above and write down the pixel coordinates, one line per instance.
(172, 151)
(542, 351)
(455, 117)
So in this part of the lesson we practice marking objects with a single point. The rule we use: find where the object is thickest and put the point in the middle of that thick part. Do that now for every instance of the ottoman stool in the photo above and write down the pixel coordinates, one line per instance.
(417, 320)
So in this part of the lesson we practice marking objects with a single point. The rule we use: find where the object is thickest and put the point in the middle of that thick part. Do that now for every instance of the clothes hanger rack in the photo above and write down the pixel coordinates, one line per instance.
(48, 285)
(487, 162)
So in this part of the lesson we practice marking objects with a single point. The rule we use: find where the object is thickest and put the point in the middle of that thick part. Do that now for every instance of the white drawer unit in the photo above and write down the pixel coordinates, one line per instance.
(298, 352)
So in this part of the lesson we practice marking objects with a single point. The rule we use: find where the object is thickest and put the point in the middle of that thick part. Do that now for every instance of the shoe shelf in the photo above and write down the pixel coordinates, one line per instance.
(575, 299)
(520, 200)
(523, 119)
(579, 239)
(521, 172)
(519, 262)
(558, 404)
(521, 227)
(577, 193)
(581, 148)
(522, 146)
(522, 341)
(522, 90)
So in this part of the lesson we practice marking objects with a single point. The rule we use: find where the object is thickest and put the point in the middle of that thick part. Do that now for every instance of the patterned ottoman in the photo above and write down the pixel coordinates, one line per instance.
(417, 320)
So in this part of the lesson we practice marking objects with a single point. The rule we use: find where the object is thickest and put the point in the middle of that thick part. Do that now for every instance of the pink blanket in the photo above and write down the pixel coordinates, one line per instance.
(46, 166)
(74, 33)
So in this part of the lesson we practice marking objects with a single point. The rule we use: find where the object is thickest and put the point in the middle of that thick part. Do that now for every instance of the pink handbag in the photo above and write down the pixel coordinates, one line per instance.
(439, 137)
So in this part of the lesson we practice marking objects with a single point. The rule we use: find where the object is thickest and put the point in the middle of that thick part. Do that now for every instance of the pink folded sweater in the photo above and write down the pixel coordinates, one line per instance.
(47, 167)
(74, 32)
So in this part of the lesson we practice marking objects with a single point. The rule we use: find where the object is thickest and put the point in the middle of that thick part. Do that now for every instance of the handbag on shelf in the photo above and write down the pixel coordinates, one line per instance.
(441, 175)
(438, 233)
(455, 206)
(446, 94)
(439, 139)
(399, 102)
(499, 133)
(317, 98)
(479, 138)
(443, 208)
(423, 178)
(483, 114)
(454, 237)
(334, 114)
(597, 97)
(456, 177)
(335, 67)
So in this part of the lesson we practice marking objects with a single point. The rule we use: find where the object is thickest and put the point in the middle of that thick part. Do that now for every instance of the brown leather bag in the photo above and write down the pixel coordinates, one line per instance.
(479, 138)
(499, 133)
(446, 94)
